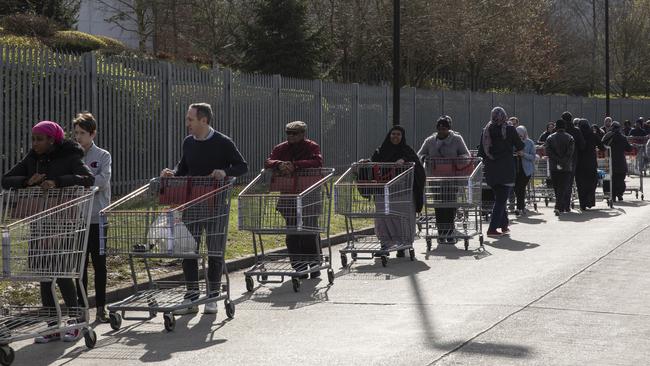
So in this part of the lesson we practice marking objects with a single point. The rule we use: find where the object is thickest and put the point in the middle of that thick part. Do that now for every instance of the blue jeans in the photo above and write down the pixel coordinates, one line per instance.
(499, 219)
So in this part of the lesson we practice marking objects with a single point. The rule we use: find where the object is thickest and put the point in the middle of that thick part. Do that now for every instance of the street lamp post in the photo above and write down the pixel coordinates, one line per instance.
(607, 112)
(396, 62)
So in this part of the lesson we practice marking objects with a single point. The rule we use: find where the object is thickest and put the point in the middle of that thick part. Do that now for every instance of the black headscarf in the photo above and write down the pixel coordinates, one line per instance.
(585, 128)
(389, 153)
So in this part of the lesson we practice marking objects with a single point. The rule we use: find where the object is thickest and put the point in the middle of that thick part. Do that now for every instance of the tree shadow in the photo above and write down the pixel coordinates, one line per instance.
(507, 243)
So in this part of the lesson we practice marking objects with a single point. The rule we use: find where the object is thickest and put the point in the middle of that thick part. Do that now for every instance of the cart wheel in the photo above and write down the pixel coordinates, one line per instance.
(230, 308)
(546, 202)
(344, 260)
(412, 254)
(249, 284)
(354, 256)
(535, 206)
(170, 322)
(384, 260)
(7, 355)
(610, 203)
(466, 244)
(265, 277)
(428, 245)
(480, 239)
(115, 319)
(152, 304)
(637, 194)
(573, 205)
(641, 196)
(90, 337)
(296, 284)
(330, 276)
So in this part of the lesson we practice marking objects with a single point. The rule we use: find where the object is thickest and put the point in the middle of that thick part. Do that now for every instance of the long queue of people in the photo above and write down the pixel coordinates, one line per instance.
(507, 151)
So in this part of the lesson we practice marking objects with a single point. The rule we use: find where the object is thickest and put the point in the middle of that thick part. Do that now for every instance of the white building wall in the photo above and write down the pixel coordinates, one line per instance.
(92, 20)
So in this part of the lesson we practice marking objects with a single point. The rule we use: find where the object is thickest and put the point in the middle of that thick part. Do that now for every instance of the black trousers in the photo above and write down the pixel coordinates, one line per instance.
(215, 240)
(303, 248)
(445, 220)
(68, 291)
(99, 265)
(618, 184)
(521, 182)
(561, 184)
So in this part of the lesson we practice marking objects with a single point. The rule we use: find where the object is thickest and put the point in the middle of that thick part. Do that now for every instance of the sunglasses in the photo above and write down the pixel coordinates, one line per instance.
(292, 133)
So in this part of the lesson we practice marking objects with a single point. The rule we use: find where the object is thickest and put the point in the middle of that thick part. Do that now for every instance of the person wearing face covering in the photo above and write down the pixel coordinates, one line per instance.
(53, 162)
(587, 167)
(525, 166)
(619, 145)
(445, 143)
(395, 150)
(498, 141)
(579, 145)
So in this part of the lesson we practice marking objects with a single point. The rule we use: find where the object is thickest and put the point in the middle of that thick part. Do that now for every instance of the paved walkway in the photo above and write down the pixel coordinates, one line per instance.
(573, 290)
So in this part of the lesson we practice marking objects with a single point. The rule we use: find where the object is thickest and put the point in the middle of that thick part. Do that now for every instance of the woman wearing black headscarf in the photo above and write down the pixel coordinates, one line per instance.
(587, 168)
(395, 150)
(619, 145)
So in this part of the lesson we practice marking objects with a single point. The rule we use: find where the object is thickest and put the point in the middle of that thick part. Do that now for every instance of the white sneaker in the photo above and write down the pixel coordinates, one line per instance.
(210, 308)
(72, 335)
(190, 309)
(47, 338)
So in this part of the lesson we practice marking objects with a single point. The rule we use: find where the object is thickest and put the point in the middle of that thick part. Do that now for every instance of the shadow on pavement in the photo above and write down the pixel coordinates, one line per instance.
(631, 203)
(431, 339)
(529, 220)
(274, 296)
(373, 270)
(590, 215)
(141, 341)
(507, 243)
(454, 252)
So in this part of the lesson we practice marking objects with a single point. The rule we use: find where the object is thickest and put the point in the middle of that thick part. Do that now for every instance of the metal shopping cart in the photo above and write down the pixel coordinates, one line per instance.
(636, 160)
(170, 218)
(383, 192)
(453, 188)
(604, 161)
(487, 195)
(298, 206)
(540, 187)
(44, 238)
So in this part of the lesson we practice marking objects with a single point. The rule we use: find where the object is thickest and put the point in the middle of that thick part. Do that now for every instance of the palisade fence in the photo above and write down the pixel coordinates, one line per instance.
(140, 105)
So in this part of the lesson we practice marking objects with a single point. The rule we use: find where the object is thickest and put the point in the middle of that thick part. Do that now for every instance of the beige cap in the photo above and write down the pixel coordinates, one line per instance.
(297, 126)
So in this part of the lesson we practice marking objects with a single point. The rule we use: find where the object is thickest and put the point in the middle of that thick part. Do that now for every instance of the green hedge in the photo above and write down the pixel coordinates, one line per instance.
(19, 41)
(75, 41)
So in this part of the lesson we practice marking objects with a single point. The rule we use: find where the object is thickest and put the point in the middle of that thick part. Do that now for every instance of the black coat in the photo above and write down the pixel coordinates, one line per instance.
(619, 145)
(501, 169)
(389, 153)
(587, 163)
(579, 142)
(63, 164)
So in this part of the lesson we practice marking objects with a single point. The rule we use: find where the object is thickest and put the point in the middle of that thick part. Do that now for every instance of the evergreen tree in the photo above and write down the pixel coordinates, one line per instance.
(280, 40)
(64, 12)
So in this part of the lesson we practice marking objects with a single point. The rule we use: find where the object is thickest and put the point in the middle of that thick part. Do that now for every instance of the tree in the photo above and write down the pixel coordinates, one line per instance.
(64, 12)
(630, 46)
(280, 40)
(136, 16)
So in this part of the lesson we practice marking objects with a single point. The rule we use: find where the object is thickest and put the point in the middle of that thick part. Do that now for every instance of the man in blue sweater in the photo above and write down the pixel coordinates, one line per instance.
(206, 152)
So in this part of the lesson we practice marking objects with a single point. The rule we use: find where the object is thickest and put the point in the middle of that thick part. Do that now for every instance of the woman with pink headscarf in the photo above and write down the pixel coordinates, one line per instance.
(52, 162)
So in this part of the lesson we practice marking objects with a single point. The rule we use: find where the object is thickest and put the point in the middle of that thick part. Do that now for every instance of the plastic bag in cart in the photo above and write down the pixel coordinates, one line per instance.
(159, 234)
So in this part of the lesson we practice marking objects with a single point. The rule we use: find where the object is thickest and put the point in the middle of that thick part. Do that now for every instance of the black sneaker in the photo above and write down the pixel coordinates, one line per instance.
(101, 316)
(315, 275)
(400, 254)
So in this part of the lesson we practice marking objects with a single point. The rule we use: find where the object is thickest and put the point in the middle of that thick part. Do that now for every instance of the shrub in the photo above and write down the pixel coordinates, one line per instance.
(29, 25)
(19, 41)
(74, 41)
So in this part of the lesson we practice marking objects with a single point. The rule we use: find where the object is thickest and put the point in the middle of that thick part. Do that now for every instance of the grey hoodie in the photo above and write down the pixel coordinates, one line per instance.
(99, 162)
(451, 147)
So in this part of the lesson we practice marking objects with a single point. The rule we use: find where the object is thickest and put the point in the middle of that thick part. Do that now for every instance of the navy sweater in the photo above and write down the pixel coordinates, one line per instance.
(200, 158)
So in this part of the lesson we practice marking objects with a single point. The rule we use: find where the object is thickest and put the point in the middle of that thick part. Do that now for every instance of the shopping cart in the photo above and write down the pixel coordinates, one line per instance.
(487, 195)
(298, 206)
(604, 159)
(540, 187)
(44, 238)
(636, 160)
(383, 192)
(453, 185)
(169, 218)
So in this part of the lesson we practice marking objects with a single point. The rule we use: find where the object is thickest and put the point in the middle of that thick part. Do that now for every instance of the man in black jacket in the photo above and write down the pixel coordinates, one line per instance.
(206, 152)
(579, 145)
(560, 150)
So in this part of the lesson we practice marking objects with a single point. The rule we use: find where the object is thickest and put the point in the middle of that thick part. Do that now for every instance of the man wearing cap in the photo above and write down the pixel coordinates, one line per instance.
(206, 152)
(293, 155)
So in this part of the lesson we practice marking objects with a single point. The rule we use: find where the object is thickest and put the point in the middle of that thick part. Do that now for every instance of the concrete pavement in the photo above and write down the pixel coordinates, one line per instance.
(572, 290)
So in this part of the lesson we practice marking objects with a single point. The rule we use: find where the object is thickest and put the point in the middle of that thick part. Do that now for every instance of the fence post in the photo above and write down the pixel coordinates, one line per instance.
(469, 118)
(415, 117)
(168, 118)
(386, 105)
(227, 100)
(90, 64)
(356, 119)
(317, 87)
(275, 116)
